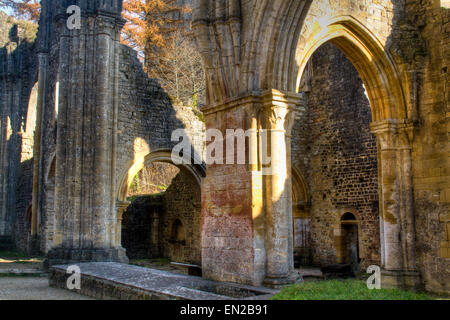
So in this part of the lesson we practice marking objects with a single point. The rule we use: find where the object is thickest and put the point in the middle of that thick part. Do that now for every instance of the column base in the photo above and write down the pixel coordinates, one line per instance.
(279, 282)
(406, 280)
(72, 256)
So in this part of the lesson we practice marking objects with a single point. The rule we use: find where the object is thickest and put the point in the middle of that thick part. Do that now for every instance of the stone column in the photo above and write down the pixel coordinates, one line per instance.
(37, 167)
(3, 171)
(121, 207)
(86, 217)
(396, 205)
(277, 119)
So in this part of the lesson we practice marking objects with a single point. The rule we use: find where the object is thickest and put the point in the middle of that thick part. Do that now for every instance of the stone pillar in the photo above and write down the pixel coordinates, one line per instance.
(233, 222)
(37, 167)
(396, 205)
(86, 216)
(121, 207)
(278, 118)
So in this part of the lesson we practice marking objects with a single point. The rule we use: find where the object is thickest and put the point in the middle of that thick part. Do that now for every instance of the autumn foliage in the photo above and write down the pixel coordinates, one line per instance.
(160, 32)
(149, 24)
(24, 9)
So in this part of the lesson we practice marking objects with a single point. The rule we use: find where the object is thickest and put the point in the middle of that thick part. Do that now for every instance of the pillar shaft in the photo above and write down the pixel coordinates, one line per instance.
(86, 217)
(278, 117)
(233, 222)
(396, 204)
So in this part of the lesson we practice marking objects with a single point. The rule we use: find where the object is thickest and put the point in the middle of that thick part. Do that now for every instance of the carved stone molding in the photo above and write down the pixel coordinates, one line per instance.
(394, 134)
(278, 110)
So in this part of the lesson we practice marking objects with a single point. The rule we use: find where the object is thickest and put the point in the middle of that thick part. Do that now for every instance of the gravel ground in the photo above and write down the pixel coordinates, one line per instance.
(25, 288)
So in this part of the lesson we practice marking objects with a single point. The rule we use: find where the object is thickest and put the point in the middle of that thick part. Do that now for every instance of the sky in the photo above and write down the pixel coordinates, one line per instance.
(8, 11)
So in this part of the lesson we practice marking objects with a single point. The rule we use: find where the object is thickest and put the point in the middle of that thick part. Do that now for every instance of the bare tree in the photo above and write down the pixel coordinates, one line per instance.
(180, 70)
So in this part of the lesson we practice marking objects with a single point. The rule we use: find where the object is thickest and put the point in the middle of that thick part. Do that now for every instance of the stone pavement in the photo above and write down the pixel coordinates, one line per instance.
(27, 288)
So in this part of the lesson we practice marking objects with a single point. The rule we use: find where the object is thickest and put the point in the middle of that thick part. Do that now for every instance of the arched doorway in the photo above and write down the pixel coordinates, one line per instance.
(393, 135)
(261, 86)
(160, 215)
(333, 145)
(349, 253)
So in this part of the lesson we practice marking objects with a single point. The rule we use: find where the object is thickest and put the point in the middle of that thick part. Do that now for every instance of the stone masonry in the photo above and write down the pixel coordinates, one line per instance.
(100, 120)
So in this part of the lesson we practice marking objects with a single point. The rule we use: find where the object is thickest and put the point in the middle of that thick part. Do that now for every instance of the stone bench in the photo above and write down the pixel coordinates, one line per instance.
(193, 270)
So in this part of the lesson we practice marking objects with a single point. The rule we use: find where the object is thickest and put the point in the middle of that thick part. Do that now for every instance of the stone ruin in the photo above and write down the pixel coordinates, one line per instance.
(359, 91)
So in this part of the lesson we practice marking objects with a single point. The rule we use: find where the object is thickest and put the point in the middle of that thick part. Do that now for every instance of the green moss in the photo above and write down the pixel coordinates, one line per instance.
(344, 290)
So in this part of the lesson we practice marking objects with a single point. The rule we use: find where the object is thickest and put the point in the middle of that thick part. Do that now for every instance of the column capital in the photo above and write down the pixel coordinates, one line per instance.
(394, 133)
(121, 207)
(278, 109)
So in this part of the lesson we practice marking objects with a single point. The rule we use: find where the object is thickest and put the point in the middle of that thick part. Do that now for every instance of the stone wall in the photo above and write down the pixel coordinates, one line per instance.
(147, 116)
(182, 201)
(431, 166)
(137, 226)
(336, 154)
(146, 120)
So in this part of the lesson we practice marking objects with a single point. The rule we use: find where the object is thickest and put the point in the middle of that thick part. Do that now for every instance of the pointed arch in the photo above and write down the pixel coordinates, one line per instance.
(366, 52)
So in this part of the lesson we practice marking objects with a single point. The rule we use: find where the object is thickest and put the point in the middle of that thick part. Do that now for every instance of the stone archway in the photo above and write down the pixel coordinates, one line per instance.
(255, 88)
(157, 225)
(394, 132)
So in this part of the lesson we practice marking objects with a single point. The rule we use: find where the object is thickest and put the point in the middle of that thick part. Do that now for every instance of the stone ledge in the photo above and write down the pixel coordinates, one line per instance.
(109, 280)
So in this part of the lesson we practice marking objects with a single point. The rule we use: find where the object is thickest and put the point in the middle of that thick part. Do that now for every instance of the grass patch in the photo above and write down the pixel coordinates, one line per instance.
(344, 290)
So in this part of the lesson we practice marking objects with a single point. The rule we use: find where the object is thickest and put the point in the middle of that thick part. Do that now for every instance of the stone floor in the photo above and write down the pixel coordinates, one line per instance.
(30, 288)
(22, 278)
